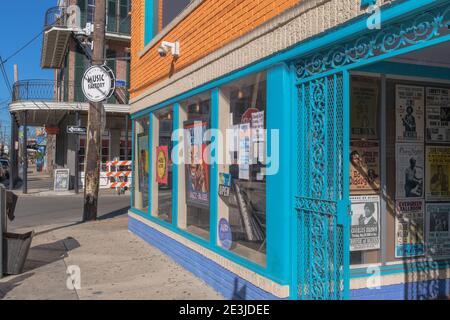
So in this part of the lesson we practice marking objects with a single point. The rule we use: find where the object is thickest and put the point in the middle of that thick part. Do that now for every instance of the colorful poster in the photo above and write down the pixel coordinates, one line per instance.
(410, 102)
(410, 170)
(365, 228)
(438, 115)
(409, 228)
(364, 109)
(197, 170)
(438, 173)
(162, 165)
(364, 167)
(143, 162)
(224, 184)
(438, 234)
(244, 151)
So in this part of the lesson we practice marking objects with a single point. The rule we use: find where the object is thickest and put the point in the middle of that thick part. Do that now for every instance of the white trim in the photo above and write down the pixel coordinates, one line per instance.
(64, 106)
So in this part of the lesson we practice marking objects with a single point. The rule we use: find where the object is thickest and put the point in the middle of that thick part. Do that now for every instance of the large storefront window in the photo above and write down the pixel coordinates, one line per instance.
(365, 170)
(400, 145)
(141, 164)
(162, 127)
(194, 174)
(242, 184)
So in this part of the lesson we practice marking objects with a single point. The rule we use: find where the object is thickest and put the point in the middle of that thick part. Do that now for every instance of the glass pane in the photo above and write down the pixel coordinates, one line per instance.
(171, 9)
(365, 171)
(141, 165)
(242, 186)
(194, 175)
(162, 149)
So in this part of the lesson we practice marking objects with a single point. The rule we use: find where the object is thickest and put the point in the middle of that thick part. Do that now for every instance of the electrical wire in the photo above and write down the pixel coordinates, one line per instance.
(5, 76)
(24, 46)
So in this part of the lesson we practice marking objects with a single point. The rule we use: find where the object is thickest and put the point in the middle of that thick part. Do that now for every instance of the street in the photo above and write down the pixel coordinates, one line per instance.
(34, 211)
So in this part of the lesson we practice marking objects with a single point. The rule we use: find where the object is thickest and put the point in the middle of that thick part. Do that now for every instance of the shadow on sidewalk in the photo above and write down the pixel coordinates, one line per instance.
(13, 283)
(48, 253)
(114, 214)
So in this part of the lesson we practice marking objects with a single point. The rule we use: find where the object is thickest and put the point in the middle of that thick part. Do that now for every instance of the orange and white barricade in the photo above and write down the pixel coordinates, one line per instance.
(119, 174)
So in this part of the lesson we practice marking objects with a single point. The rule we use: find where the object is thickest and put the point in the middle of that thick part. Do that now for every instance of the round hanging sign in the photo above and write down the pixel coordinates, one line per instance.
(98, 83)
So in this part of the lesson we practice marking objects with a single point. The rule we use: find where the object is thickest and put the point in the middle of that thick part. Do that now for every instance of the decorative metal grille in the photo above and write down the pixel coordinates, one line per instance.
(429, 25)
(320, 188)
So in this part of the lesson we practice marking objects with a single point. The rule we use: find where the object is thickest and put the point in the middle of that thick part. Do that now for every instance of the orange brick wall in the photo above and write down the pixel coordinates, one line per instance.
(213, 24)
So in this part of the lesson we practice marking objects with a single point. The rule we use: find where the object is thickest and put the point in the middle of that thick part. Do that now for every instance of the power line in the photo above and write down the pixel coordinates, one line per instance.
(5, 76)
(24, 46)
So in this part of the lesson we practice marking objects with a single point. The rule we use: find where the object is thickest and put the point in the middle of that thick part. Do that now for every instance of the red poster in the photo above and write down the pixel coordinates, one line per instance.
(162, 165)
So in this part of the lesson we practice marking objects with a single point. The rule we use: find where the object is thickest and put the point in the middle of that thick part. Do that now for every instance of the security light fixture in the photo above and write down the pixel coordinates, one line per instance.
(165, 46)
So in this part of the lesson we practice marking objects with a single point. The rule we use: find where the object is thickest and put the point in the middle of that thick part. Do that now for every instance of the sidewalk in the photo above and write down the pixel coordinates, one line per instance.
(114, 264)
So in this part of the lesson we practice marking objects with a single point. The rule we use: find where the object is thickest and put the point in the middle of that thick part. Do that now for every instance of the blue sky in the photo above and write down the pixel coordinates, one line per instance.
(20, 21)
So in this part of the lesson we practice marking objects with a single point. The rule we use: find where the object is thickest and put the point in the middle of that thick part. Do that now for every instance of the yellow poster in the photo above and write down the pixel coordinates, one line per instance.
(438, 173)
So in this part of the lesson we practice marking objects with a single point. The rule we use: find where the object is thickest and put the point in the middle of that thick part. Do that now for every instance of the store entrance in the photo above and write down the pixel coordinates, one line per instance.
(372, 159)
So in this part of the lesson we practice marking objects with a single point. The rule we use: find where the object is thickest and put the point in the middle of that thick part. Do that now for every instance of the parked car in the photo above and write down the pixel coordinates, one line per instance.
(4, 168)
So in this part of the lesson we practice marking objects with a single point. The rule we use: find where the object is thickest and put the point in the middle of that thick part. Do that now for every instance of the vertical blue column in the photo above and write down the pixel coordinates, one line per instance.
(134, 165)
(175, 165)
(346, 177)
(214, 168)
(278, 186)
(150, 162)
(293, 220)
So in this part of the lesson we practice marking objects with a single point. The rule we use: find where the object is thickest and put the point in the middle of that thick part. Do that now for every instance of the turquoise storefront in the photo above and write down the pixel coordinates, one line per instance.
(291, 234)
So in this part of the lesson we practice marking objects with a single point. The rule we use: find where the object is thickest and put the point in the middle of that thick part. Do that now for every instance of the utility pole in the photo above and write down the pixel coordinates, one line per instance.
(93, 143)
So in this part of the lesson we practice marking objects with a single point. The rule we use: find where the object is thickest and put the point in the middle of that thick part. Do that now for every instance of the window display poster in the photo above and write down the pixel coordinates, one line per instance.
(197, 170)
(409, 108)
(410, 170)
(364, 110)
(409, 228)
(162, 165)
(224, 184)
(143, 162)
(244, 151)
(438, 173)
(364, 167)
(365, 228)
(258, 126)
(438, 235)
(438, 115)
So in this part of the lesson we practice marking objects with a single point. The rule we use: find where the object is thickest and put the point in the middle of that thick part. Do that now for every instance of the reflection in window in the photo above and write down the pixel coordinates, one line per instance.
(194, 175)
(141, 165)
(162, 127)
(242, 186)
(171, 9)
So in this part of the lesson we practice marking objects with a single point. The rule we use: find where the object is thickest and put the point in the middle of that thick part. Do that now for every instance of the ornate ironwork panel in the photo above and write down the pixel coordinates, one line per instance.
(428, 25)
(321, 192)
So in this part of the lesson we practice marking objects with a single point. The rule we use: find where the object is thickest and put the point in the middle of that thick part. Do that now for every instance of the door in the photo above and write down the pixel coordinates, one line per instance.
(322, 197)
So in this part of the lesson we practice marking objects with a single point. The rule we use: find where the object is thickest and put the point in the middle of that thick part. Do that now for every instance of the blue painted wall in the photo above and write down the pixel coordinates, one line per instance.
(223, 281)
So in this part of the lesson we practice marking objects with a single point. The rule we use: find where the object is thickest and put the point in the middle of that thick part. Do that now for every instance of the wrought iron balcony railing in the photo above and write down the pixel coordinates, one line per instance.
(115, 24)
(58, 91)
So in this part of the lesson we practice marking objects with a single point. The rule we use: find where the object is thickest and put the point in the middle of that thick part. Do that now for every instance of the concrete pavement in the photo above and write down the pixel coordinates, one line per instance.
(113, 263)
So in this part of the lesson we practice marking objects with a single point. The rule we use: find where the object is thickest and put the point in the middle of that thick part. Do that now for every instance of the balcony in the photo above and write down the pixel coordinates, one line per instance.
(58, 31)
(48, 101)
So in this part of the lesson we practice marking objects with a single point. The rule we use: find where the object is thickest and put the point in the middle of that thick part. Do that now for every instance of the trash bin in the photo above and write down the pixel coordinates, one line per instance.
(16, 247)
